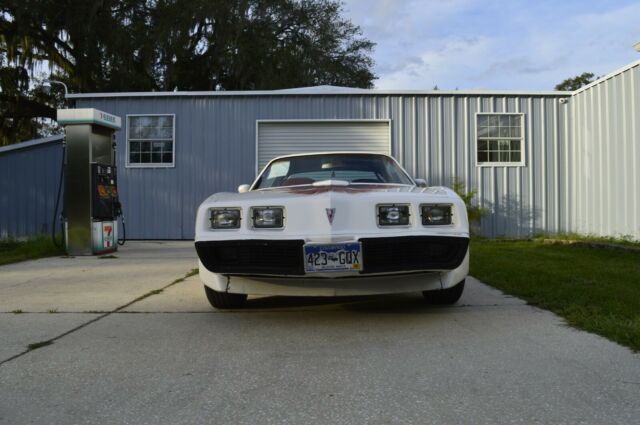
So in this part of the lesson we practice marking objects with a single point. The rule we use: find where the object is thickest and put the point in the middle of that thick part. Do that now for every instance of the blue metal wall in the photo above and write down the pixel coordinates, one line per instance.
(433, 136)
(29, 179)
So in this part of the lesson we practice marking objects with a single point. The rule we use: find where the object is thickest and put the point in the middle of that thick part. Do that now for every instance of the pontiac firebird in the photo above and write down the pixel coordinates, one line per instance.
(333, 224)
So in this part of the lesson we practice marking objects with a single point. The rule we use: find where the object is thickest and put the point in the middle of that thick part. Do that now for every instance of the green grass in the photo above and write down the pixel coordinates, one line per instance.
(597, 290)
(624, 241)
(12, 251)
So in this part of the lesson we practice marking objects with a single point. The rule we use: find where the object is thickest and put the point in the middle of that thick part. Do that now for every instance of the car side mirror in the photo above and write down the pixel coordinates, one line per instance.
(420, 182)
(243, 188)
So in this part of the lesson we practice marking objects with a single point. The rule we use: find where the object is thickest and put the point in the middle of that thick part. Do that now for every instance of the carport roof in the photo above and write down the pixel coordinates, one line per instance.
(31, 143)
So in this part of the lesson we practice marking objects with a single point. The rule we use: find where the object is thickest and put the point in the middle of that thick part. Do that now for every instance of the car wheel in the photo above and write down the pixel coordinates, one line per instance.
(224, 300)
(445, 296)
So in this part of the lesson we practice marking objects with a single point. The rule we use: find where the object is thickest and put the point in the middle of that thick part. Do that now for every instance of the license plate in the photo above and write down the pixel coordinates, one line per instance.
(335, 257)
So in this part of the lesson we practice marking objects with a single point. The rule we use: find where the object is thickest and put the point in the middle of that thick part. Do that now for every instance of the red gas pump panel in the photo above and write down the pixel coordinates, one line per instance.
(104, 189)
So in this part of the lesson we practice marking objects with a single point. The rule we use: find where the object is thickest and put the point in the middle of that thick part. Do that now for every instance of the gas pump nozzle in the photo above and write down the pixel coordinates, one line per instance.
(117, 209)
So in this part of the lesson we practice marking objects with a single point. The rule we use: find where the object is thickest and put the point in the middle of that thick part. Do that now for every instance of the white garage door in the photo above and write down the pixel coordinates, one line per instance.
(285, 138)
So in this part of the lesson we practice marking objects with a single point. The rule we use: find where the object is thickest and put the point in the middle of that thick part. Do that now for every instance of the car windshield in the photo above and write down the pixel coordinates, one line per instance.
(352, 168)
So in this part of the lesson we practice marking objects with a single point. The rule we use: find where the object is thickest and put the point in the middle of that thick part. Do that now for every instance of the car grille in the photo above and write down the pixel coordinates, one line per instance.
(410, 253)
(255, 256)
(380, 255)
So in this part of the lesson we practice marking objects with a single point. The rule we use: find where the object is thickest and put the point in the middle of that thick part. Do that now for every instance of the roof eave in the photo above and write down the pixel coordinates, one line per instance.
(31, 143)
(259, 93)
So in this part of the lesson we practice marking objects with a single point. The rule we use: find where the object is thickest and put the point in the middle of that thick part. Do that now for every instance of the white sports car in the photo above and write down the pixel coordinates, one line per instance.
(330, 224)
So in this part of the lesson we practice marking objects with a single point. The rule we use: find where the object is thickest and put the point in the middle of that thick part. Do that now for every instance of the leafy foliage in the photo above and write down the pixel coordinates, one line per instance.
(143, 45)
(571, 84)
(474, 211)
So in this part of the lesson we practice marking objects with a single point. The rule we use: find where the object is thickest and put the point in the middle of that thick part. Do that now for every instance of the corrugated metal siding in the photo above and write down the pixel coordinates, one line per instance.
(285, 138)
(580, 172)
(28, 185)
(606, 153)
(432, 136)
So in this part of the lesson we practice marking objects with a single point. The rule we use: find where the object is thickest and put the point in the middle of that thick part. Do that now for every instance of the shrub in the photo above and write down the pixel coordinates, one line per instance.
(474, 211)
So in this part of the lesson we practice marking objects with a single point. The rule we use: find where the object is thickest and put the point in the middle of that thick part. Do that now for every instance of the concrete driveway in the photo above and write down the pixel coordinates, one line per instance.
(170, 358)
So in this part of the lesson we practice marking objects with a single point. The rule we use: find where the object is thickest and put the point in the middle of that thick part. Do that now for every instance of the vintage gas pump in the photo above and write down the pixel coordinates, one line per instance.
(91, 203)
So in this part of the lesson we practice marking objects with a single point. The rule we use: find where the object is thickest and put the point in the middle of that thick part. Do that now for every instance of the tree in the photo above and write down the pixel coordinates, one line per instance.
(94, 45)
(571, 84)
(142, 45)
(259, 45)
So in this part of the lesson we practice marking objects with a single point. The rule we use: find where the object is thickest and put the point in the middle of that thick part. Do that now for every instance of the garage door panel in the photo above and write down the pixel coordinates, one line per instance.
(285, 138)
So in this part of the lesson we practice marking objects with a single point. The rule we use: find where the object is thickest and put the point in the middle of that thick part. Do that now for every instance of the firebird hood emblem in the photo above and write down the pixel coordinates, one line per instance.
(331, 212)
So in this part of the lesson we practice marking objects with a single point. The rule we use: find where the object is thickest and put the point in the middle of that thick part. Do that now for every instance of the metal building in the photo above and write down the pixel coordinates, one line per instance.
(542, 162)
(604, 193)
(29, 178)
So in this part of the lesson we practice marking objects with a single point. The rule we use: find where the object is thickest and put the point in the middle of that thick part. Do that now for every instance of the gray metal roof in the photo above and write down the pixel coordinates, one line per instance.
(321, 91)
(31, 143)
(336, 91)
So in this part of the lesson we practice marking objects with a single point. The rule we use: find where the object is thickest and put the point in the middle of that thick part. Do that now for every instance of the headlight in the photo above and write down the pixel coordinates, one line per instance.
(393, 215)
(267, 217)
(435, 214)
(225, 218)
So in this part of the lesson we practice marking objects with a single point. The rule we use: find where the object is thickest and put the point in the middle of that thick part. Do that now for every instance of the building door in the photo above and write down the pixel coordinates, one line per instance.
(277, 138)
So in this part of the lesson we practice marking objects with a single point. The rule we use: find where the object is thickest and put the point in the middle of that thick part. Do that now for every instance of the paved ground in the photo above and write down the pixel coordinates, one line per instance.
(169, 358)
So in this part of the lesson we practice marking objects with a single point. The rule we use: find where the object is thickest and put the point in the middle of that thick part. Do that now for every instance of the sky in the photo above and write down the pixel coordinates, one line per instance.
(487, 44)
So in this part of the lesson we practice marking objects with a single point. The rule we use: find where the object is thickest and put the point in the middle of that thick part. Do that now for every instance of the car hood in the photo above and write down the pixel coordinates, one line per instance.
(358, 191)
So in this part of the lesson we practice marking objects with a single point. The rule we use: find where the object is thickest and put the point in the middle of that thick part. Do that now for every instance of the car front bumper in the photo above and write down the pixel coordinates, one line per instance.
(381, 255)
(390, 264)
(317, 287)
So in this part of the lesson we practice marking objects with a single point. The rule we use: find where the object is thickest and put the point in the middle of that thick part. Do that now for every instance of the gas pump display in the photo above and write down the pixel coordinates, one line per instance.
(105, 191)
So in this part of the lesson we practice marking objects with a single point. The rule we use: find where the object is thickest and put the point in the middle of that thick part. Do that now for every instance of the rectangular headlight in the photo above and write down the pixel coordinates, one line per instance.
(267, 217)
(393, 215)
(225, 218)
(436, 214)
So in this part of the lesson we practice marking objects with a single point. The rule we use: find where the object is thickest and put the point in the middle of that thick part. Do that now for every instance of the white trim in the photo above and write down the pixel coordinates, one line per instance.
(82, 116)
(607, 77)
(257, 157)
(150, 165)
(311, 92)
(313, 120)
(523, 141)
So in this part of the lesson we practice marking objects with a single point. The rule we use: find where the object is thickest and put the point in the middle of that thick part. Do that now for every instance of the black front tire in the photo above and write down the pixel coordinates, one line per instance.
(225, 300)
(445, 296)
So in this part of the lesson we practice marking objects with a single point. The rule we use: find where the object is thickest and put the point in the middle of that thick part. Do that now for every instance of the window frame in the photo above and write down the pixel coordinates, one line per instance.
(172, 164)
(522, 138)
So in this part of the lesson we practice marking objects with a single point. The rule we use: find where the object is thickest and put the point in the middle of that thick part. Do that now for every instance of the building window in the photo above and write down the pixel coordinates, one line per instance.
(150, 140)
(499, 139)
